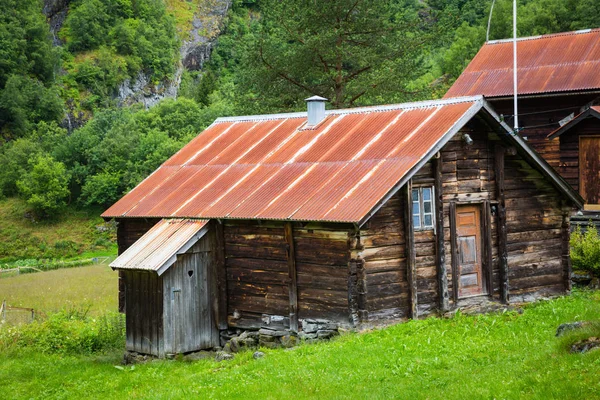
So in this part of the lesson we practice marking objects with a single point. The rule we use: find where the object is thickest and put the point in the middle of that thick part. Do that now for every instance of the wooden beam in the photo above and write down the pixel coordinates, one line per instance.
(221, 272)
(454, 250)
(488, 245)
(293, 286)
(566, 255)
(411, 257)
(439, 235)
(499, 153)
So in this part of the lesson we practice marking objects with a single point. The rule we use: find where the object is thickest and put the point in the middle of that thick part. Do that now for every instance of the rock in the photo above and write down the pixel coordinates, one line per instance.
(222, 356)
(326, 334)
(258, 354)
(307, 336)
(199, 355)
(570, 326)
(585, 345)
(314, 325)
(594, 283)
(289, 341)
(272, 332)
(581, 278)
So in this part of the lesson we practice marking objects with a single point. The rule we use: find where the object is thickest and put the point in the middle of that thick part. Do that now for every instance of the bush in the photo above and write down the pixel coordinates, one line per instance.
(585, 249)
(45, 187)
(68, 332)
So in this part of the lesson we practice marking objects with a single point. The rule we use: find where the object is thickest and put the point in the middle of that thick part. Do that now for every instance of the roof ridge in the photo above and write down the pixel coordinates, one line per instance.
(546, 36)
(356, 110)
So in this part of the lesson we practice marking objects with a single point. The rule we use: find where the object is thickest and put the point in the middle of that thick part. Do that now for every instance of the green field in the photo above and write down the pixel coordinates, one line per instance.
(92, 287)
(510, 355)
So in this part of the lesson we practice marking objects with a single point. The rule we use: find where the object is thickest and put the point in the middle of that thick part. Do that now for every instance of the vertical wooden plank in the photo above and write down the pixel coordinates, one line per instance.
(293, 277)
(439, 235)
(411, 257)
(488, 246)
(566, 256)
(454, 250)
(499, 153)
(221, 275)
(126, 276)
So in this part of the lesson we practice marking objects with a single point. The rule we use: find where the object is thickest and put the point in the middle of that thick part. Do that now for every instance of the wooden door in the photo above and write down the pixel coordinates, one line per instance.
(589, 169)
(468, 234)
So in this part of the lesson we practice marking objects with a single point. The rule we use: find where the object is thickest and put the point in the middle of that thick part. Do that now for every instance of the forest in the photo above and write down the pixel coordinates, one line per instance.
(68, 138)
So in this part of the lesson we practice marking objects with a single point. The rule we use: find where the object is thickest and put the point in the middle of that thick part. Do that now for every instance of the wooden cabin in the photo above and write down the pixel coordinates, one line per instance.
(349, 218)
(557, 80)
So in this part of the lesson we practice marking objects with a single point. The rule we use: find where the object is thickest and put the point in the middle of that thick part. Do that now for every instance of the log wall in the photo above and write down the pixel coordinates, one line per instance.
(535, 234)
(258, 271)
(539, 116)
(569, 149)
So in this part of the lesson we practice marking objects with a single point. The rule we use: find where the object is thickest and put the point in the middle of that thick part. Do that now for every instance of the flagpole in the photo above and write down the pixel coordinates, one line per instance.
(516, 116)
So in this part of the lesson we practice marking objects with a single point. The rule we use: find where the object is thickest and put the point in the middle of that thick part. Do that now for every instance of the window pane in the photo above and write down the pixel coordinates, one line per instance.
(415, 210)
(416, 221)
(428, 220)
(415, 194)
(427, 206)
(426, 194)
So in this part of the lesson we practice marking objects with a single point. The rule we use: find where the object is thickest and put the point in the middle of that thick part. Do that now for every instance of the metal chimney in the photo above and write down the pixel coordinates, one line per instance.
(316, 110)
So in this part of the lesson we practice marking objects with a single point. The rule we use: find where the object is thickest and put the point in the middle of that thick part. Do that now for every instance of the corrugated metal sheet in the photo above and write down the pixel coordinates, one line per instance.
(157, 248)
(271, 167)
(550, 63)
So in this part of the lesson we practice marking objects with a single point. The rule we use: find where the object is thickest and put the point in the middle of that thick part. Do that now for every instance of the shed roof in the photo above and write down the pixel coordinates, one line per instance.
(560, 62)
(157, 249)
(273, 167)
(593, 112)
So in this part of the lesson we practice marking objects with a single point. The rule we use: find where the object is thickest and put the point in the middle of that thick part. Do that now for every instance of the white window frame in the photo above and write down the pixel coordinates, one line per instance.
(422, 213)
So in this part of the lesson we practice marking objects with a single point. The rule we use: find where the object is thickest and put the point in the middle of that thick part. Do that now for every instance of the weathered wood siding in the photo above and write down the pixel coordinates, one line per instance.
(258, 275)
(540, 116)
(535, 238)
(322, 271)
(143, 315)
(569, 149)
(189, 298)
(129, 230)
(384, 254)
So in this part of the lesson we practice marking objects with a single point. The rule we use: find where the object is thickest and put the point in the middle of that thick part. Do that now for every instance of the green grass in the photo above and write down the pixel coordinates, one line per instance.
(70, 235)
(502, 356)
(94, 287)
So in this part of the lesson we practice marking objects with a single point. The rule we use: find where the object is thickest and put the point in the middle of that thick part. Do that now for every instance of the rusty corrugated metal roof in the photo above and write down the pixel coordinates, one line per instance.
(157, 249)
(272, 167)
(546, 64)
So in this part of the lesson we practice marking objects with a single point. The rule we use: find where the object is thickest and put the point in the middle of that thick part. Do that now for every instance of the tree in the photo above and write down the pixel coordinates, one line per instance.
(350, 51)
(45, 187)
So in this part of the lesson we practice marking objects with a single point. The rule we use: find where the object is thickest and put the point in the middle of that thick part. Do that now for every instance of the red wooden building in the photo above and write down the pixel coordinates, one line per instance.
(350, 217)
(557, 80)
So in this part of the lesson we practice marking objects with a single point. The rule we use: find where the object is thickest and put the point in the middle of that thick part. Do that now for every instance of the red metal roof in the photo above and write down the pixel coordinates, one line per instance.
(550, 63)
(157, 249)
(271, 167)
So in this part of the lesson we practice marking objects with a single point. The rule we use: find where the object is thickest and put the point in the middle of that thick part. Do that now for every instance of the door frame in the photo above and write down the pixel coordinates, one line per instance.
(485, 214)
(586, 206)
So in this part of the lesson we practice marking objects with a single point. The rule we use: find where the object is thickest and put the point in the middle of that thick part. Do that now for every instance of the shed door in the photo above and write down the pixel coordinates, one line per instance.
(189, 318)
(468, 232)
(589, 169)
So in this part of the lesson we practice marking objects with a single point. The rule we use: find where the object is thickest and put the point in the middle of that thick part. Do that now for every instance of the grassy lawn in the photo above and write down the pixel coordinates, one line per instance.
(507, 355)
(94, 287)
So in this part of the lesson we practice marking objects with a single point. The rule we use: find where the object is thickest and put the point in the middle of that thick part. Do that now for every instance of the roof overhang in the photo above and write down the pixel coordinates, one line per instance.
(507, 134)
(157, 249)
(590, 112)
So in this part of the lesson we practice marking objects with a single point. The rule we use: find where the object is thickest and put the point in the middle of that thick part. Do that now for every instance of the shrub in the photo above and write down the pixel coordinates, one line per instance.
(45, 187)
(67, 332)
(585, 249)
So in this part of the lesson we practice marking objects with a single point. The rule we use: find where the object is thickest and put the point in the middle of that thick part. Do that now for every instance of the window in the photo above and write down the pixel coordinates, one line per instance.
(422, 207)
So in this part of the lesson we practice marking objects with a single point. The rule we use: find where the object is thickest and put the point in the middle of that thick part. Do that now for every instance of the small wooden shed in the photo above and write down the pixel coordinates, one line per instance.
(364, 216)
